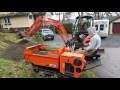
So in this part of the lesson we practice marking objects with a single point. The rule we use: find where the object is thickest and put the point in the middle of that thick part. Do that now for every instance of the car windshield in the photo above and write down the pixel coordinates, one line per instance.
(47, 31)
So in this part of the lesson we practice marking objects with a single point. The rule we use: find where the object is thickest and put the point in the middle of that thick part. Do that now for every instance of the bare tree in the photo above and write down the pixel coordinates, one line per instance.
(117, 13)
(102, 15)
(59, 16)
(66, 15)
(108, 14)
(63, 17)
(97, 15)
(81, 13)
(78, 13)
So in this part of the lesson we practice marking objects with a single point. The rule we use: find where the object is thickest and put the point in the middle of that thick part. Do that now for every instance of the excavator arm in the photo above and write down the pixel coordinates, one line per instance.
(38, 22)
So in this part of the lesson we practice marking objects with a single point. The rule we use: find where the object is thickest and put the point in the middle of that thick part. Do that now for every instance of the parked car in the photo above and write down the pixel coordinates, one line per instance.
(47, 34)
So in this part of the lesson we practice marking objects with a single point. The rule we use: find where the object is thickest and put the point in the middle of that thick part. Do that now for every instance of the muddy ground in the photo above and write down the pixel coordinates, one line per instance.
(15, 51)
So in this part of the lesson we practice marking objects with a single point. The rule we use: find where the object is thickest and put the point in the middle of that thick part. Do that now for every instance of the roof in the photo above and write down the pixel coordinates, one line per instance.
(112, 18)
(21, 14)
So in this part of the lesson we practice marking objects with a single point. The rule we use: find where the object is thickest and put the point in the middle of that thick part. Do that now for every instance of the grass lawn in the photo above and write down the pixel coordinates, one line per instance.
(88, 74)
(10, 36)
(6, 39)
(22, 69)
(12, 69)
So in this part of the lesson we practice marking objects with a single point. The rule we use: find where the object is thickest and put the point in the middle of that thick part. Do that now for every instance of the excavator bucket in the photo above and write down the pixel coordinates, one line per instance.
(19, 35)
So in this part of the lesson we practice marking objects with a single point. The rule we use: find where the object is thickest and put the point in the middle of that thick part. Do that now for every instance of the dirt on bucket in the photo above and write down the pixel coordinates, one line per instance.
(15, 51)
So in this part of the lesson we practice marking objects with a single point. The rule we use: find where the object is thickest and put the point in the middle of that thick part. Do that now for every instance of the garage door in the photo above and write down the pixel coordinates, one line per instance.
(116, 28)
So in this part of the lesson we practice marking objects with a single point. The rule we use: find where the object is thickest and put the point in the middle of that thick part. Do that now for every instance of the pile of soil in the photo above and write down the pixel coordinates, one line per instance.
(15, 51)
(42, 52)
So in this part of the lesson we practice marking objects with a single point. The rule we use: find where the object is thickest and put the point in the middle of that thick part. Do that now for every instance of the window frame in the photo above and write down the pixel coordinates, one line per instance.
(97, 27)
(102, 27)
(7, 21)
(30, 16)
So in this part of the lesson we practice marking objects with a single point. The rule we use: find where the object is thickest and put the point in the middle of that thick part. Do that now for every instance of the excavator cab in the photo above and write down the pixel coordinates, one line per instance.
(80, 30)
(81, 34)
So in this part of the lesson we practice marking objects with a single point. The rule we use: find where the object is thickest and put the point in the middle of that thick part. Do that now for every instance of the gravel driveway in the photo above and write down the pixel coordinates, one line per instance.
(110, 67)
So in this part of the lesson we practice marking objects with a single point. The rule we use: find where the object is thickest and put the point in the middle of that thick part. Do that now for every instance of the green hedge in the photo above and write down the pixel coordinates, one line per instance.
(68, 28)
(6, 31)
(38, 38)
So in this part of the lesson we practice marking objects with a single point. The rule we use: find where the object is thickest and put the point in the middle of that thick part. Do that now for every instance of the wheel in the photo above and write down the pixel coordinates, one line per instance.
(52, 38)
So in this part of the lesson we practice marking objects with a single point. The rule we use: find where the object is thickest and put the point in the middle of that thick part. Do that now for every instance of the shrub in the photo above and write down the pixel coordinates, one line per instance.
(6, 31)
(68, 28)
(38, 38)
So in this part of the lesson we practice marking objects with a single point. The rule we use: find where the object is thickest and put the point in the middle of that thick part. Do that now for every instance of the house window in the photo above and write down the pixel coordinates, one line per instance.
(30, 17)
(102, 27)
(7, 21)
(96, 27)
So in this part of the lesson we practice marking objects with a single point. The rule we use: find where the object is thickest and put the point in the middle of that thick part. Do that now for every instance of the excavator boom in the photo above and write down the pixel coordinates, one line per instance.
(37, 24)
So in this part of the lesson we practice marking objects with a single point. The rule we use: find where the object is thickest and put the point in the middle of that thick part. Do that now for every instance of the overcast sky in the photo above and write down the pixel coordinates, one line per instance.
(73, 16)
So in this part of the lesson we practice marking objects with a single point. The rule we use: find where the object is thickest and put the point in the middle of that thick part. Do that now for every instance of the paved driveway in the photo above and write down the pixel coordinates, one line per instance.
(110, 67)
(57, 42)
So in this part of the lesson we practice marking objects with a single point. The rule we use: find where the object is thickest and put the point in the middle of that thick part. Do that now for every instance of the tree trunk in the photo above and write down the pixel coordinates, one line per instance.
(81, 13)
(98, 15)
(63, 17)
(78, 13)
(117, 13)
(59, 16)
(102, 15)
(95, 14)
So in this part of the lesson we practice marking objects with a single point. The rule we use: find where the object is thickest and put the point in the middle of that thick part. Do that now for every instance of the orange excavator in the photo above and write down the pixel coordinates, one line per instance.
(64, 60)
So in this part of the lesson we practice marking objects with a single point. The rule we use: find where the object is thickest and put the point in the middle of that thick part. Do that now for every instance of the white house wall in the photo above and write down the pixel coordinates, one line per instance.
(117, 20)
(31, 21)
(21, 21)
(17, 22)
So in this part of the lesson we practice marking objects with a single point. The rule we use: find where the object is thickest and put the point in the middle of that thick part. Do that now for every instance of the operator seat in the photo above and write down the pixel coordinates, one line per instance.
(94, 56)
